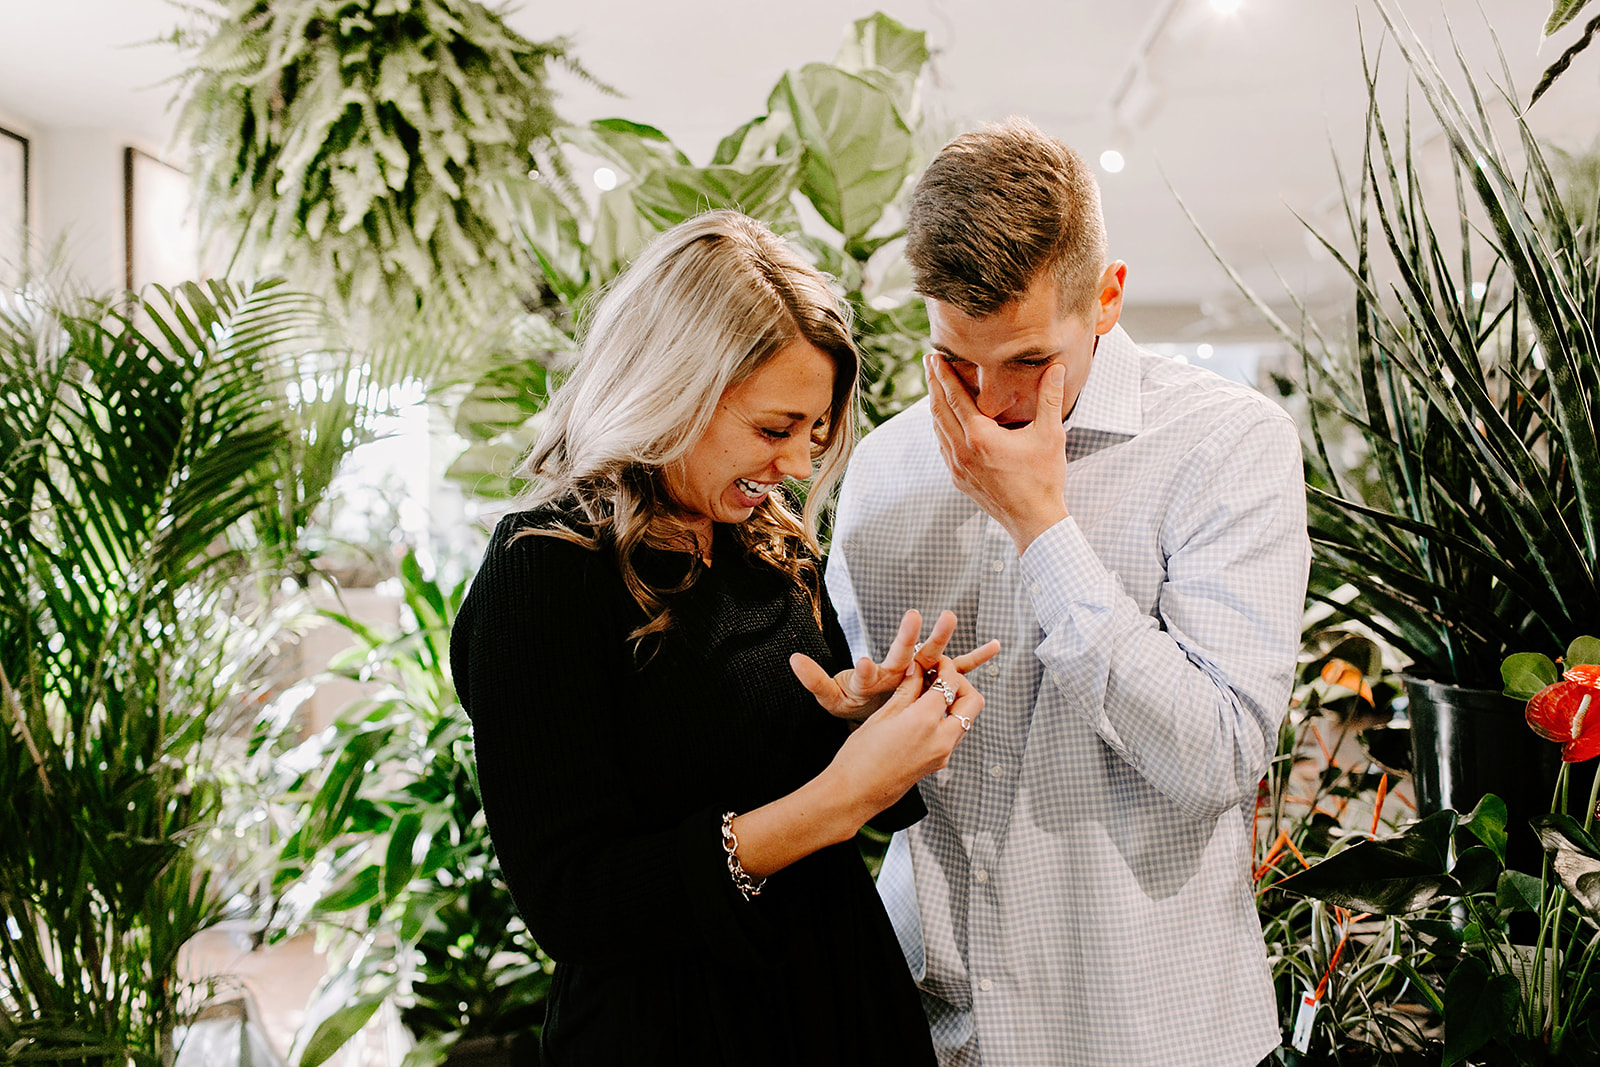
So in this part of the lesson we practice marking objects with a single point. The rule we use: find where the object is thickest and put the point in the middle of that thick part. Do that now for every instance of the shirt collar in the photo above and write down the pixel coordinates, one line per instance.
(1109, 401)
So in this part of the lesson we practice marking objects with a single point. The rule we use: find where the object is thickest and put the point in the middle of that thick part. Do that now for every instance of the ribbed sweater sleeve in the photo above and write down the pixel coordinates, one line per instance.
(537, 655)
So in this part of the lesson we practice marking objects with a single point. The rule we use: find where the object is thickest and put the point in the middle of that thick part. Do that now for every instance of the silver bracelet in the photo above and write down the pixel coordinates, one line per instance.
(748, 887)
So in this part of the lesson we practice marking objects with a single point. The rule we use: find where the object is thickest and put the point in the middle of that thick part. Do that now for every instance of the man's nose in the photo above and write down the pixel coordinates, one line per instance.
(994, 396)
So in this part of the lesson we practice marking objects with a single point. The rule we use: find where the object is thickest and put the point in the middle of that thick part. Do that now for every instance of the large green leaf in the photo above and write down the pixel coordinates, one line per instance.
(1581, 650)
(1575, 855)
(1478, 1008)
(1391, 877)
(888, 54)
(857, 150)
(758, 141)
(620, 231)
(1517, 891)
(633, 147)
(672, 194)
(1487, 822)
(1525, 673)
(337, 1029)
(880, 42)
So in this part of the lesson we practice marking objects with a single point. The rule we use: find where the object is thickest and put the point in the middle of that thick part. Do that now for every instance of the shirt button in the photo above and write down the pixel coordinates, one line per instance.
(997, 771)
(1034, 588)
(992, 669)
(981, 875)
(986, 984)
(998, 565)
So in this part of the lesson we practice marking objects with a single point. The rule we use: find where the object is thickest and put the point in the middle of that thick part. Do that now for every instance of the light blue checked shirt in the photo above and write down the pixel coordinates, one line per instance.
(1080, 892)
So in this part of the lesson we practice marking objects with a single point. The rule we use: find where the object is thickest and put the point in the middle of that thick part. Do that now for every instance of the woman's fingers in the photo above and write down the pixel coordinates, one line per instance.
(978, 656)
(928, 653)
(964, 711)
(904, 695)
(962, 707)
(818, 681)
(901, 648)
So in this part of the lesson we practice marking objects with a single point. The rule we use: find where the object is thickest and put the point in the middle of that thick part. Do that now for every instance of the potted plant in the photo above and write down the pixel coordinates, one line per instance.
(1514, 999)
(1320, 793)
(145, 444)
(368, 150)
(1467, 524)
(389, 859)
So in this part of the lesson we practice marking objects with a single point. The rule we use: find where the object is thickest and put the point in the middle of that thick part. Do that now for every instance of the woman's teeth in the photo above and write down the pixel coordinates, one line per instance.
(750, 488)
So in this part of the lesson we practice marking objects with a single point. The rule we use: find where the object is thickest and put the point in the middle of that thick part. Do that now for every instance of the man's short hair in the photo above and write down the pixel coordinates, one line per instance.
(996, 208)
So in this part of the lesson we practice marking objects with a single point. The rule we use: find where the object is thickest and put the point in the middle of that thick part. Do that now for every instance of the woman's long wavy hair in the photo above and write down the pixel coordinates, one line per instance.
(701, 309)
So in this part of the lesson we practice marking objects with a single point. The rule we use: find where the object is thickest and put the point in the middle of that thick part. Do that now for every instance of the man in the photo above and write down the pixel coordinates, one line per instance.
(1132, 530)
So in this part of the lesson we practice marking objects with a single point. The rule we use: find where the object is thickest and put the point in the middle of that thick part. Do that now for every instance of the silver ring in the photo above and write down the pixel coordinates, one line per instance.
(946, 690)
(965, 721)
(915, 649)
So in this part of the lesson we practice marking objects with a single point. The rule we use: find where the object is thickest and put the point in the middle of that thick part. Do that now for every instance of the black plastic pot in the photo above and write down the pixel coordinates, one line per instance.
(1468, 742)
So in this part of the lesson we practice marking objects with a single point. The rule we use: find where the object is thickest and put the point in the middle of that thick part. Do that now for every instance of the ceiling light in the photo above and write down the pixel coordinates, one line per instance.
(1204, 351)
(1478, 290)
(1111, 161)
(605, 178)
(1225, 7)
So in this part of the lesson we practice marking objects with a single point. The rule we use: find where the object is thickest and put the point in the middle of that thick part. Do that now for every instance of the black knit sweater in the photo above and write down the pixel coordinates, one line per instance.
(604, 782)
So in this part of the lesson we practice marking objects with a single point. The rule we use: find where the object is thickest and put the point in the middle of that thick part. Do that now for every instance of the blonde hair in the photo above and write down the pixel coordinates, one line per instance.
(997, 208)
(701, 309)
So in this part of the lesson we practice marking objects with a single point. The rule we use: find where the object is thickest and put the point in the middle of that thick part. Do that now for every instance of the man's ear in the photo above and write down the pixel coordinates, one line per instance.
(1108, 305)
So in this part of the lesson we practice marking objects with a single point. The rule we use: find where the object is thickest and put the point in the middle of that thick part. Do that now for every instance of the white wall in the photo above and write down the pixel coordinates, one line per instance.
(78, 197)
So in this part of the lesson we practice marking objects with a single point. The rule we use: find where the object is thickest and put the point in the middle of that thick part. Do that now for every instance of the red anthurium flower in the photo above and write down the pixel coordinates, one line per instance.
(1568, 712)
(1587, 673)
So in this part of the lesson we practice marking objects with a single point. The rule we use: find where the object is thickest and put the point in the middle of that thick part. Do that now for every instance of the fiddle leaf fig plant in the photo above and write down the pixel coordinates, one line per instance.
(825, 166)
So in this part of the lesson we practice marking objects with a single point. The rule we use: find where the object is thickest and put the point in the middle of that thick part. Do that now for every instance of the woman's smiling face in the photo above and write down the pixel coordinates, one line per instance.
(762, 432)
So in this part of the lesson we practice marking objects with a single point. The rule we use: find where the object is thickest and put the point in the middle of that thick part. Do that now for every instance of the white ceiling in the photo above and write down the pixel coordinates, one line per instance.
(1236, 111)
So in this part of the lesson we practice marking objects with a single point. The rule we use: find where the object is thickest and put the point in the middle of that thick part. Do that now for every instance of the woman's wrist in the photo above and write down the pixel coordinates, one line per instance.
(818, 814)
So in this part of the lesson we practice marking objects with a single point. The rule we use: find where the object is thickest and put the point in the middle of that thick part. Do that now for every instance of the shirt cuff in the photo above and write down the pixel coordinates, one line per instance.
(1060, 571)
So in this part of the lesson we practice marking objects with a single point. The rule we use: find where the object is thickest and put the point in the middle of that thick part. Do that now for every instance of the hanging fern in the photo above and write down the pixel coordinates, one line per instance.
(365, 147)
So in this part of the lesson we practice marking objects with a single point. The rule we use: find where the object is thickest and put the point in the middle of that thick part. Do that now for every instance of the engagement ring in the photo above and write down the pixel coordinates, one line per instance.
(945, 690)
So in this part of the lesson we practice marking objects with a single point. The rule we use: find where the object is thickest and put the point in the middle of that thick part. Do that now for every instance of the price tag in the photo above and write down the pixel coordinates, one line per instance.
(1303, 1021)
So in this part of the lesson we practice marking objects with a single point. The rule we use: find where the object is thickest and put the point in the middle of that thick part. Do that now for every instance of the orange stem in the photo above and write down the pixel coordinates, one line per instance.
(1322, 745)
(1377, 808)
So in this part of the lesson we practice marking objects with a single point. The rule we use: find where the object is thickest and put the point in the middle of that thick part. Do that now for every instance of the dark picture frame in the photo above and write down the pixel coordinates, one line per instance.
(160, 238)
(16, 206)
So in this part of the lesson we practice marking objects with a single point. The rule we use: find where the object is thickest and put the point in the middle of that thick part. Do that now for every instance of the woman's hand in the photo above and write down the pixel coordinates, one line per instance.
(855, 694)
(908, 738)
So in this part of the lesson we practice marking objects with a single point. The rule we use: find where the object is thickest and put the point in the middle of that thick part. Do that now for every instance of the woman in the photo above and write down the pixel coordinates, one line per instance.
(673, 811)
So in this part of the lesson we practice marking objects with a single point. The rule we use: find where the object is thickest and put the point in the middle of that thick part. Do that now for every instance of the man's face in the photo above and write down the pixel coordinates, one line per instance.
(1000, 358)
